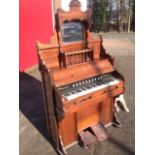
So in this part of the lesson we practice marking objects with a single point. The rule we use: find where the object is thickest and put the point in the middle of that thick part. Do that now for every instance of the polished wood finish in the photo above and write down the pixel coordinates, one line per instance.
(63, 63)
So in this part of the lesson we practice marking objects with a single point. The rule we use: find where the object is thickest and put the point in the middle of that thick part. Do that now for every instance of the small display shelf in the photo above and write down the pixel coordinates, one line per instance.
(77, 57)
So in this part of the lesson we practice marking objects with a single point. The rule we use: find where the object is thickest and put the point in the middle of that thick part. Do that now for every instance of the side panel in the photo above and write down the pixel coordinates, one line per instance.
(49, 109)
(68, 128)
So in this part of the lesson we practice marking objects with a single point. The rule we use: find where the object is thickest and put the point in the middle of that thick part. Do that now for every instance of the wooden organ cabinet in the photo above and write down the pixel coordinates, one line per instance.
(80, 83)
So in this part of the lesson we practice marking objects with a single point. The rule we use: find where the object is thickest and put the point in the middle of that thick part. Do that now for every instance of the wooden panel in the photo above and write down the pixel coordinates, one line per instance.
(68, 128)
(49, 109)
(107, 113)
(80, 72)
(49, 58)
(89, 116)
(44, 54)
(75, 46)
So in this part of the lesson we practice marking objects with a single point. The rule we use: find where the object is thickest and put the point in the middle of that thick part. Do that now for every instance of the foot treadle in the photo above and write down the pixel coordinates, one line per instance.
(87, 139)
(100, 132)
(92, 135)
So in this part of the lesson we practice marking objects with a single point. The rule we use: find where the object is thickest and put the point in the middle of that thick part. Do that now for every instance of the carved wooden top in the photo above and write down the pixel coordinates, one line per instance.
(75, 13)
(75, 3)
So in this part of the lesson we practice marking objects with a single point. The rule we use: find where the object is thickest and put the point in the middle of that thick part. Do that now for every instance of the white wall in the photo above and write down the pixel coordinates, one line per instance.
(65, 5)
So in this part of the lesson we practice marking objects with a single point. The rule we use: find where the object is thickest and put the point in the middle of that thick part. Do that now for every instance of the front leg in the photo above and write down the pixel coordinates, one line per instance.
(121, 99)
(116, 105)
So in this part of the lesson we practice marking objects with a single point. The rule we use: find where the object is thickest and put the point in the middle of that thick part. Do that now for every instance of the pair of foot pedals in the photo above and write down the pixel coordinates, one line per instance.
(92, 135)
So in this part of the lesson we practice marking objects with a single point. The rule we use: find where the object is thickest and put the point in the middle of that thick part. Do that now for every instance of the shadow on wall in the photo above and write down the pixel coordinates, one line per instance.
(31, 102)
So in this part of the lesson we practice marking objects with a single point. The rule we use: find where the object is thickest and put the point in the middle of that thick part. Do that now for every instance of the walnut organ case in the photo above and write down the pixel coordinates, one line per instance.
(79, 81)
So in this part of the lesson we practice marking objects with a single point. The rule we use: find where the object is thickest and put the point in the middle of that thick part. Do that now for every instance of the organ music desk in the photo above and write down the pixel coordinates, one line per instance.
(80, 83)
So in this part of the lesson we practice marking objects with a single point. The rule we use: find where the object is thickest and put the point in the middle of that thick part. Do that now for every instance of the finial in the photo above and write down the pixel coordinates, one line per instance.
(75, 3)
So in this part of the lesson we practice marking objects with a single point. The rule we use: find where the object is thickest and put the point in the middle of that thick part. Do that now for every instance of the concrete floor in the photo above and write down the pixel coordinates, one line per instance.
(33, 132)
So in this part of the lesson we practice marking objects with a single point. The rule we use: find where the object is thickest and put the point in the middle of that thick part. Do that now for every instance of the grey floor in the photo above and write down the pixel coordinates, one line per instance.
(33, 132)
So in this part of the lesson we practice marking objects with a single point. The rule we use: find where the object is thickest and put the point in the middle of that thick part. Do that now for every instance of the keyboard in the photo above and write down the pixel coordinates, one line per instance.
(87, 86)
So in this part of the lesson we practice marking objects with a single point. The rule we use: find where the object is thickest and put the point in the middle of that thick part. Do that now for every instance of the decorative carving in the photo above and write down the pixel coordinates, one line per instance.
(89, 35)
(57, 5)
(54, 39)
(75, 3)
(60, 37)
(74, 14)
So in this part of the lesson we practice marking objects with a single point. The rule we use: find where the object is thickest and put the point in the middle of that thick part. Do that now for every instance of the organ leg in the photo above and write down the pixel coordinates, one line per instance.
(121, 99)
(116, 106)
(116, 121)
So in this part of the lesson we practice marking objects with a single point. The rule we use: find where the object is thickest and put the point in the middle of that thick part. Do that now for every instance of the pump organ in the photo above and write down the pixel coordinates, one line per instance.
(80, 83)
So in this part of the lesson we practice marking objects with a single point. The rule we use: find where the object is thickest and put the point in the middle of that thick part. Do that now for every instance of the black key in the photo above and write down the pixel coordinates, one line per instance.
(88, 87)
(79, 90)
(98, 83)
(93, 85)
(67, 94)
(103, 82)
(84, 88)
(73, 92)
